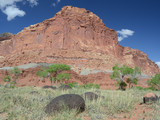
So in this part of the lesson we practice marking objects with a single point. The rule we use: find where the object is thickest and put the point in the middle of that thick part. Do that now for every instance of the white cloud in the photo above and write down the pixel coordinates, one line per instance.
(10, 8)
(55, 3)
(12, 12)
(58, 1)
(5, 3)
(158, 63)
(33, 2)
(124, 33)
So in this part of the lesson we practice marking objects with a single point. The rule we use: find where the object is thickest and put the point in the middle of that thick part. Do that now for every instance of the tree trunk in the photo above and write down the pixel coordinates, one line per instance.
(121, 86)
(129, 85)
(51, 82)
(56, 83)
(15, 79)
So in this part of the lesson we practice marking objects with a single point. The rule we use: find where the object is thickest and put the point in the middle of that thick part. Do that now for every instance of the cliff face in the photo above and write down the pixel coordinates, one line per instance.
(73, 36)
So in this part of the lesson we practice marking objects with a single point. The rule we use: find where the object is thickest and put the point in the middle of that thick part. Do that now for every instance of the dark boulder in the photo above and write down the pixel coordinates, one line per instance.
(71, 101)
(51, 87)
(150, 97)
(65, 87)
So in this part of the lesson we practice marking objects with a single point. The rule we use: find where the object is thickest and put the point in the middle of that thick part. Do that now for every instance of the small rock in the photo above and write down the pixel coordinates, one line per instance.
(150, 97)
(65, 87)
(90, 96)
(46, 87)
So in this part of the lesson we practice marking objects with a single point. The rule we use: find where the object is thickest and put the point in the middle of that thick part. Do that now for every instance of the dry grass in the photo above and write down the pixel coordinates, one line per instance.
(20, 104)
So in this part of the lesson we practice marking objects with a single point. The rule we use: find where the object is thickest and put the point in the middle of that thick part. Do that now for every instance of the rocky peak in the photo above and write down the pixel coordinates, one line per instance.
(69, 10)
(73, 36)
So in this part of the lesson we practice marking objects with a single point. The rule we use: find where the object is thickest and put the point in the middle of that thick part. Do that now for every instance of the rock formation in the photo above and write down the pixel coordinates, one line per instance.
(73, 36)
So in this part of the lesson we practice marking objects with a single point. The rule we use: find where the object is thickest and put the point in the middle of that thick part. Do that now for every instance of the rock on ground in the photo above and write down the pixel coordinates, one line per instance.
(71, 101)
(65, 87)
(46, 87)
(90, 96)
(150, 97)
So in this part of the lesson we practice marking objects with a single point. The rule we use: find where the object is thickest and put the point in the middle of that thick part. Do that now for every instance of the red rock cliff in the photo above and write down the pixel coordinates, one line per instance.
(73, 36)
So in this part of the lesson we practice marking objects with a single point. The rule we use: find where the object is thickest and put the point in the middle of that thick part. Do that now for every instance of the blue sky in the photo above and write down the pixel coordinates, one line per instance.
(136, 21)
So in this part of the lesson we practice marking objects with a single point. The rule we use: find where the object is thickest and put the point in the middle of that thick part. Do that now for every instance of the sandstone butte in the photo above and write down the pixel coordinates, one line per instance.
(74, 36)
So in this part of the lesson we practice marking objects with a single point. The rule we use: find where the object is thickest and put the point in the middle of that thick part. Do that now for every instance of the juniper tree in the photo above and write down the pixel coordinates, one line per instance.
(134, 74)
(155, 82)
(119, 73)
(54, 72)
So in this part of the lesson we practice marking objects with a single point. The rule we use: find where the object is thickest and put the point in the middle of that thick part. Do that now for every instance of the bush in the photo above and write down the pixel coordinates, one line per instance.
(91, 85)
(73, 85)
(155, 82)
(150, 88)
(16, 72)
(87, 86)
(141, 88)
(7, 79)
(9, 83)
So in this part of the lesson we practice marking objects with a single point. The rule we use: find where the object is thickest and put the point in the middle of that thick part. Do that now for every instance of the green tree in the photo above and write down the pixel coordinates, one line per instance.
(16, 72)
(155, 82)
(43, 73)
(119, 73)
(134, 74)
(61, 77)
(54, 72)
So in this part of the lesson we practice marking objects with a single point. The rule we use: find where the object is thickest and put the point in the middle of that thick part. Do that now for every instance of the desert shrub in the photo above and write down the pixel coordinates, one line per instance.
(138, 87)
(91, 85)
(7, 79)
(9, 83)
(73, 85)
(42, 73)
(155, 82)
(86, 86)
(149, 88)
(141, 88)
(16, 72)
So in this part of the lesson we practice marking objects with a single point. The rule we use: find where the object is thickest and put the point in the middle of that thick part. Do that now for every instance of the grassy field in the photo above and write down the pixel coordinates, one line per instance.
(21, 104)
